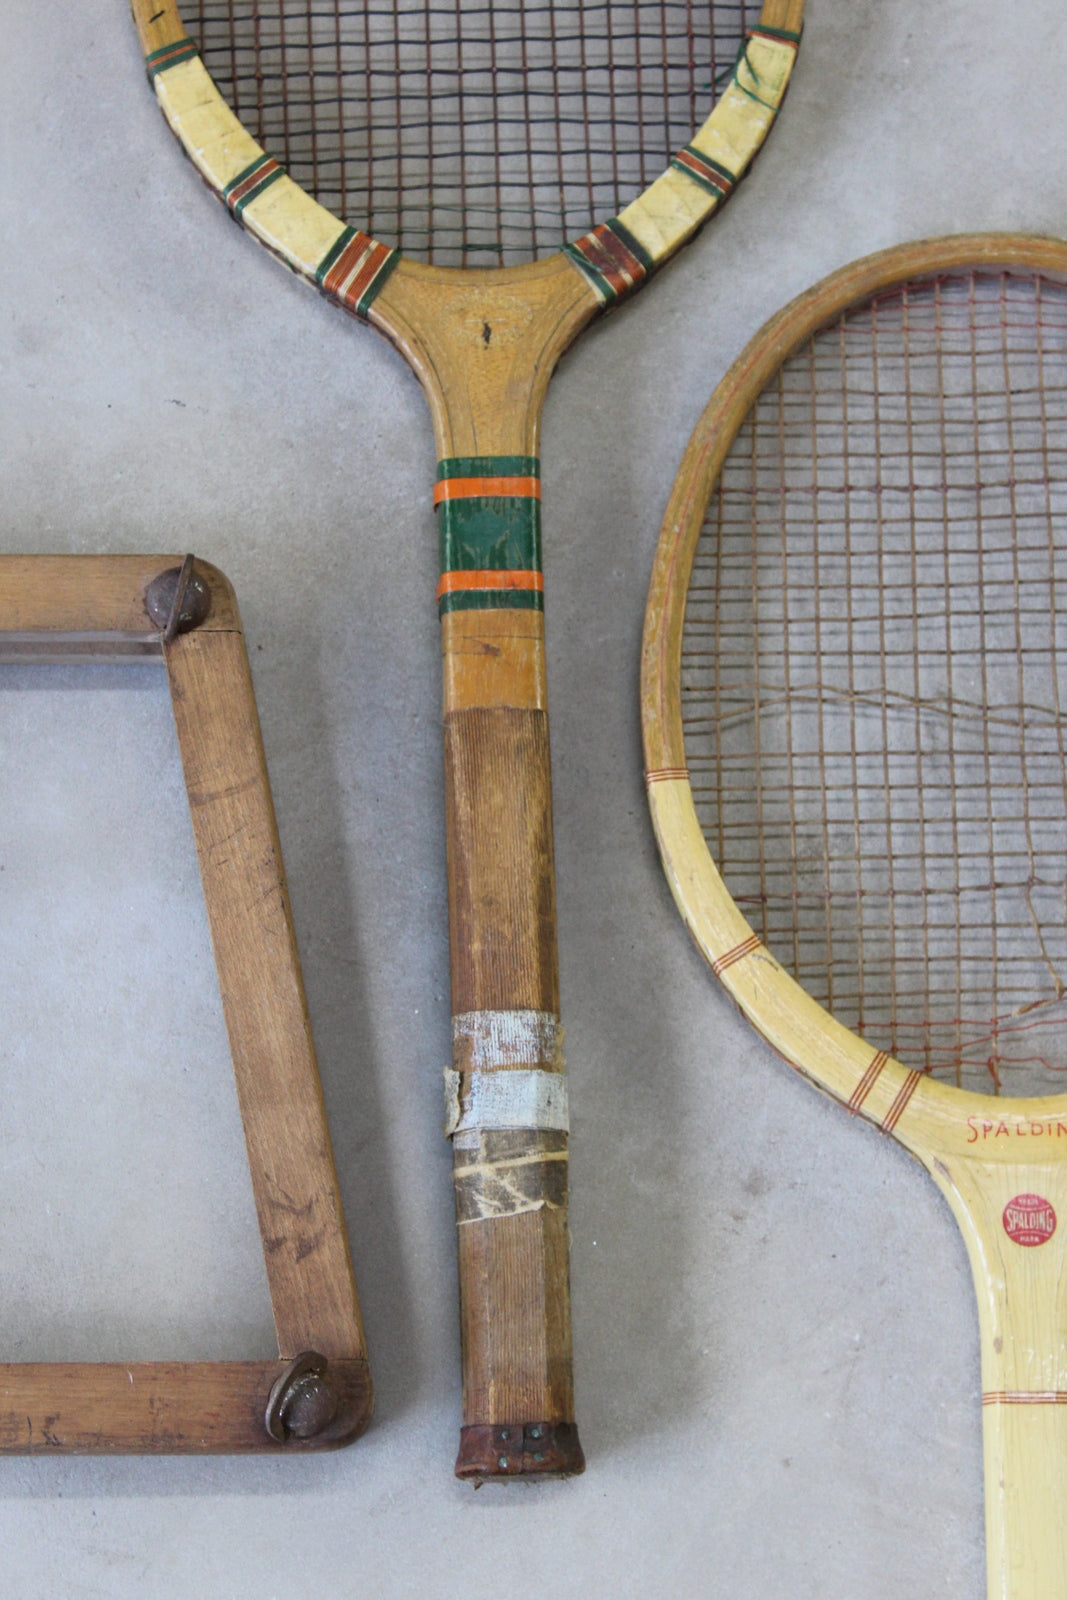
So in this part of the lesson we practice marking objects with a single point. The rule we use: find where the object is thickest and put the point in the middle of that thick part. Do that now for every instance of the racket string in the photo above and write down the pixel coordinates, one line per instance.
(471, 133)
(875, 636)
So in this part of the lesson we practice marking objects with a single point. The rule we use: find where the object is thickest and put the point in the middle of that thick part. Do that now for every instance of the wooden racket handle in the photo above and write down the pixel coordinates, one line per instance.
(510, 1181)
(1013, 1215)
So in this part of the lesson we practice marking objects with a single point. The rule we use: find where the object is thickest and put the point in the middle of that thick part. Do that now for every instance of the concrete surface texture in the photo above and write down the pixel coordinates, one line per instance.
(777, 1357)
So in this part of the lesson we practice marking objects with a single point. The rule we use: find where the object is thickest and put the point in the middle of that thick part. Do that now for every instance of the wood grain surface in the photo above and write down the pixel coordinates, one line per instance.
(99, 602)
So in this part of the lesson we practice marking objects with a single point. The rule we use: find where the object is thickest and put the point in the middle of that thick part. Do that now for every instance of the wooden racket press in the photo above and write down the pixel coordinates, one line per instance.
(317, 1394)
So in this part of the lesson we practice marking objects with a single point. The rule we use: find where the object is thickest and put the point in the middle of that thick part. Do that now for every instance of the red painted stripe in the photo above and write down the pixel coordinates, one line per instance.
(356, 269)
(605, 251)
(868, 1081)
(459, 582)
(685, 158)
(1023, 1397)
(904, 1094)
(352, 254)
(478, 488)
(736, 954)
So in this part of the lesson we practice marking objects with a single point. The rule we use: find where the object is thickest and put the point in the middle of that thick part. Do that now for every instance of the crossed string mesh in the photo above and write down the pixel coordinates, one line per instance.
(874, 666)
(471, 133)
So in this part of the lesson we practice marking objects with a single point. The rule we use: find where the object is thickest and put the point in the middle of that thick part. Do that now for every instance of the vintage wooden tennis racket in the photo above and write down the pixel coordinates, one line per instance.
(477, 136)
(854, 695)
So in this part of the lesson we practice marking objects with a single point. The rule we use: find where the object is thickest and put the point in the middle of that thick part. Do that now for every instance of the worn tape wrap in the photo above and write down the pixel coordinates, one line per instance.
(506, 1113)
(505, 1177)
(517, 1097)
(490, 1040)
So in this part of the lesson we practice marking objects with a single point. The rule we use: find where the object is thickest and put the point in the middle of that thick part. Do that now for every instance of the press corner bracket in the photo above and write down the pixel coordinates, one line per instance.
(317, 1394)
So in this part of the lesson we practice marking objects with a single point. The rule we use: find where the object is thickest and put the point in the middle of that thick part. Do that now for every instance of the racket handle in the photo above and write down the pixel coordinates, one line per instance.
(507, 1103)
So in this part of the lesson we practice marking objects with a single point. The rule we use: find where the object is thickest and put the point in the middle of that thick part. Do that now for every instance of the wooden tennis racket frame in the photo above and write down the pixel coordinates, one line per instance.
(484, 345)
(317, 1394)
(982, 1151)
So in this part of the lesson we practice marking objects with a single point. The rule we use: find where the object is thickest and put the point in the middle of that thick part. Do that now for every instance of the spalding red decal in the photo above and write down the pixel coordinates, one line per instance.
(1029, 1220)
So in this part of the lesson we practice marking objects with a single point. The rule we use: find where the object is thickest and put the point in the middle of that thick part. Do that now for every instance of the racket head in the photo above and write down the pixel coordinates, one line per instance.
(860, 1072)
(302, 221)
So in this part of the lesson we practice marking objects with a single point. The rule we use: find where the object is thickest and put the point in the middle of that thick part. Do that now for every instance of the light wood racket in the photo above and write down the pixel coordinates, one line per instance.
(854, 683)
(483, 136)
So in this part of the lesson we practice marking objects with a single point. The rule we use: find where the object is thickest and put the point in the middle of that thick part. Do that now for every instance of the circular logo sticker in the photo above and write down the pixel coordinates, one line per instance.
(1029, 1220)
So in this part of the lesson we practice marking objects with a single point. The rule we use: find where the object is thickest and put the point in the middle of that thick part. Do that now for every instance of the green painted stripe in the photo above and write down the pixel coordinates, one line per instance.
(492, 600)
(490, 533)
(170, 56)
(374, 288)
(599, 272)
(718, 190)
(342, 242)
(777, 33)
(742, 55)
(634, 246)
(716, 166)
(603, 287)
(701, 182)
(489, 467)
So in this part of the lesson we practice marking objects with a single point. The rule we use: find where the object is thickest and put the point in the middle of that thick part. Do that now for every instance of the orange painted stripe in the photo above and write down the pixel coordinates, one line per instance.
(159, 57)
(457, 582)
(481, 488)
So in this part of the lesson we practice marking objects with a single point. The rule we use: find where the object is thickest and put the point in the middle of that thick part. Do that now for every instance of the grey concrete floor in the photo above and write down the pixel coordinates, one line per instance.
(777, 1358)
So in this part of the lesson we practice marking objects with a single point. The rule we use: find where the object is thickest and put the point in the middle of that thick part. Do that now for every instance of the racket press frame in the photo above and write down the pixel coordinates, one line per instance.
(986, 1153)
(317, 1394)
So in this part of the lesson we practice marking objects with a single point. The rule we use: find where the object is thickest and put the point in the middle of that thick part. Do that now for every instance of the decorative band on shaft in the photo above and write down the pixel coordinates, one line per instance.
(490, 533)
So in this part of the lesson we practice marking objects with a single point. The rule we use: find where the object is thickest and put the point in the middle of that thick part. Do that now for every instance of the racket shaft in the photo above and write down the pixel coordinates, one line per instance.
(1011, 1215)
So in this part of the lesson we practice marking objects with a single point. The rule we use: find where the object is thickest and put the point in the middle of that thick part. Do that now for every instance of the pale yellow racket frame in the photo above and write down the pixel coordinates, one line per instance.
(982, 1151)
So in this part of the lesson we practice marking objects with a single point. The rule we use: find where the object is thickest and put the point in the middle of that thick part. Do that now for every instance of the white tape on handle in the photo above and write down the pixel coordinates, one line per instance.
(487, 1039)
(518, 1097)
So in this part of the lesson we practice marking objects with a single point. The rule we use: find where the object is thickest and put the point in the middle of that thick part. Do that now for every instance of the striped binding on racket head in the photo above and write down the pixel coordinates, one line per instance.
(615, 258)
